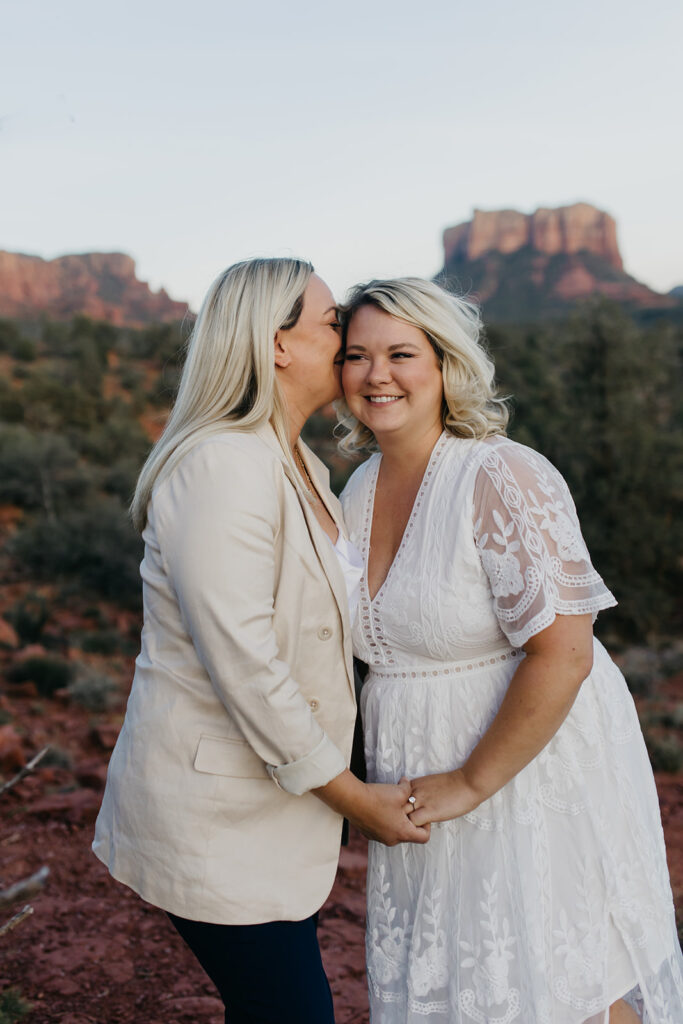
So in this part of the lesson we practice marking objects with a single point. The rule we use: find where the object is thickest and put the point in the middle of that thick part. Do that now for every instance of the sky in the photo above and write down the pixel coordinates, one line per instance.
(195, 134)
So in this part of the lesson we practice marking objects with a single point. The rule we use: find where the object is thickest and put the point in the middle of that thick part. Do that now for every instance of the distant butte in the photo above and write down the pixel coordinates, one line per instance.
(567, 229)
(521, 266)
(101, 285)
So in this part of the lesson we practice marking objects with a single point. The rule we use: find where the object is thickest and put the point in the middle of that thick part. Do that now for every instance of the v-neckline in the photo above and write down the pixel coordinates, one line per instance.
(370, 513)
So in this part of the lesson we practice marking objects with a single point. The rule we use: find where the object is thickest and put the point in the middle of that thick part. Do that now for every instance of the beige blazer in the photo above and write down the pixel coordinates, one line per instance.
(243, 696)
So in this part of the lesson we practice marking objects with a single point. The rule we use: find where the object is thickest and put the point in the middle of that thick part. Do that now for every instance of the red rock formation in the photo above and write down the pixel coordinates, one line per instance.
(522, 266)
(568, 229)
(100, 285)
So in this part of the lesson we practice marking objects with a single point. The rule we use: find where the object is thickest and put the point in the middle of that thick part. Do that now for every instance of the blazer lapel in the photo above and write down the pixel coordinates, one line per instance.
(321, 542)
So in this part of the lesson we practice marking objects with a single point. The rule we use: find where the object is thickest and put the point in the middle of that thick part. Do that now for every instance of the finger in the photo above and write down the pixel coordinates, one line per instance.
(420, 817)
(404, 784)
(421, 835)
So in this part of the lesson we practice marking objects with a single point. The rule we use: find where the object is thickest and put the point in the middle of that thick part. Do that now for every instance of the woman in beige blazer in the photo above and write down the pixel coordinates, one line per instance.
(227, 787)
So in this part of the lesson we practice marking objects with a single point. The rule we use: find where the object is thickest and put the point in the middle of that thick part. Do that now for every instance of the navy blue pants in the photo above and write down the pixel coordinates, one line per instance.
(266, 973)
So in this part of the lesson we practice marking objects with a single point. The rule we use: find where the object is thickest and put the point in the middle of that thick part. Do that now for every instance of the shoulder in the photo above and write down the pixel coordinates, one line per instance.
(501, 455)
(512, 474)
(356, 486)
(226, 467)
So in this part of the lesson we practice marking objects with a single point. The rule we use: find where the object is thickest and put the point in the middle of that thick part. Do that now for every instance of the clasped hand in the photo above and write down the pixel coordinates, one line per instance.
(403, 813)
(440, 798)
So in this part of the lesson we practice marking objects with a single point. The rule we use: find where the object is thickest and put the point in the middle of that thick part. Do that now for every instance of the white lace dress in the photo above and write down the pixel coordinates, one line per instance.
(552, 899)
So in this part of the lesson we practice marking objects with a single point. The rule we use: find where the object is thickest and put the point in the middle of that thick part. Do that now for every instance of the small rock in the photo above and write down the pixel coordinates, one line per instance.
(11, 750)
(27, 689)
(31, 651)
(79, 807)
(197, 1005)
(8, 635)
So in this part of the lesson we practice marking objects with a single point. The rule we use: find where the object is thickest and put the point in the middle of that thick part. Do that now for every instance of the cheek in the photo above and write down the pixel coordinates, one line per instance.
(350, 378)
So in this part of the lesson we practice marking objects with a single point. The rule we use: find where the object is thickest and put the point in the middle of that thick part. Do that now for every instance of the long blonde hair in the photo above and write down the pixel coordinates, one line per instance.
(229, 380)
(453, 328)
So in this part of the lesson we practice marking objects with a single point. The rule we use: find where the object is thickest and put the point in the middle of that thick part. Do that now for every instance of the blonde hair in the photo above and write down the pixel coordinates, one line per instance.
(229, 380)
(453, 328)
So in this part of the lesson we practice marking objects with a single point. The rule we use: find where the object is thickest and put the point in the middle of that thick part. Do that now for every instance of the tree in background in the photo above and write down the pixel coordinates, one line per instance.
(599, 397)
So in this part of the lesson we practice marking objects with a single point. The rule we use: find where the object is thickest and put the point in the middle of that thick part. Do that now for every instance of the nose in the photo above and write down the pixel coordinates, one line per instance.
(379, 372)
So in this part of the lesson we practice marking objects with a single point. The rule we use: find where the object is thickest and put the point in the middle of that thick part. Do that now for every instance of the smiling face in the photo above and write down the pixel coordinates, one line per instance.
(308, 355)
(391, 376)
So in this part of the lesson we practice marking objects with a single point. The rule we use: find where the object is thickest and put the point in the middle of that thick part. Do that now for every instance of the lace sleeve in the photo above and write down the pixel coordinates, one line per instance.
(530, 543)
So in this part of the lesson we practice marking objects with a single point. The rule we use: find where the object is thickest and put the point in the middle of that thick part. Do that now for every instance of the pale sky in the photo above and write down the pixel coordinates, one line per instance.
(193, 134)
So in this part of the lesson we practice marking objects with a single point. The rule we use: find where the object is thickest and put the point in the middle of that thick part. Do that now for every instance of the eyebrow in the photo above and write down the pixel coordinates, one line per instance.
(392, 348)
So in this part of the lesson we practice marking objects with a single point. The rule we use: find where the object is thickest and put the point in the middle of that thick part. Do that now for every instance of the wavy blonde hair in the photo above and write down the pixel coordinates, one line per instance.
(453, 328)
(229, 380)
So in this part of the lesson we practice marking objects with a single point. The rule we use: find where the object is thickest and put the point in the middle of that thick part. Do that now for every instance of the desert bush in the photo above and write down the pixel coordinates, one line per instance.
(13, 1007)
(641, 669)
(102, 641)
(56, 757)
(164, 390)
(92, 689)
(121, 478)
(9, 335)
(666, 752)
(95, 547)
(28, 616)
(39, 470)
(54, 401)
(119, 436)
(164, 343)
(11, 406)
(49, 673)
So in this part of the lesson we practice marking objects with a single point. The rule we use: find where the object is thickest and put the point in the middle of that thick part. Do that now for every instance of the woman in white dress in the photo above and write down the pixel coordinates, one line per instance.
(543, 894)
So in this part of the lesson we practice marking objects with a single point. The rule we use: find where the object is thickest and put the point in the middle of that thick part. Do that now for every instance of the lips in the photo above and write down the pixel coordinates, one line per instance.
(382, 399)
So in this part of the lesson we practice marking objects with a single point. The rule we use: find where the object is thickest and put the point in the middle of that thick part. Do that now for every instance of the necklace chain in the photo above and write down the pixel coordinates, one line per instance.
(302, 466)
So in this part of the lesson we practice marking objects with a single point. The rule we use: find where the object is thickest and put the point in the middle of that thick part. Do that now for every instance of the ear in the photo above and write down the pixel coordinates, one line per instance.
(283, 356)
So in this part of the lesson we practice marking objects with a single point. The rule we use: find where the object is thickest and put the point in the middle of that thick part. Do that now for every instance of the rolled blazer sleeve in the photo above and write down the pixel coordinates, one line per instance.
(217, 518)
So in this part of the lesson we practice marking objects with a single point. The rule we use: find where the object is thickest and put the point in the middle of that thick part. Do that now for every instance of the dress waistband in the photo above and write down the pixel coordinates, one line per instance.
(447, 668)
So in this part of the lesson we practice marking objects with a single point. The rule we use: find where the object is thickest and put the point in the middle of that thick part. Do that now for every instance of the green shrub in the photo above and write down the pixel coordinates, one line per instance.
(57, 757)
(92, 689)
(9, 335)
(102, 641)
(39, 470)
(28, 616)
(11, 406)
(666, 753)
(49, 673)
(13, 1007)
(95, 547)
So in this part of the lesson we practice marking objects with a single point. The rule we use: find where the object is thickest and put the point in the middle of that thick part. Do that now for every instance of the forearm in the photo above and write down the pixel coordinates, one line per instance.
(538, 700)
(379, 810)
(344, 794)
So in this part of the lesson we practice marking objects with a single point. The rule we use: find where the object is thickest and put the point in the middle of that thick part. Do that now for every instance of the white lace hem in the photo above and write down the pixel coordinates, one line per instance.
(547, 615)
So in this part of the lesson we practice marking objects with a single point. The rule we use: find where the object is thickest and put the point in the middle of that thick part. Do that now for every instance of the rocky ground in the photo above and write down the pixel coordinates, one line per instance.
(92, 953)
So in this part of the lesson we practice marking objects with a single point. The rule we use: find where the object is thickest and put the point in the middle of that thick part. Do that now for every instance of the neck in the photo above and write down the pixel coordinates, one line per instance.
(407, 453)
(298, 411)
(295, 425)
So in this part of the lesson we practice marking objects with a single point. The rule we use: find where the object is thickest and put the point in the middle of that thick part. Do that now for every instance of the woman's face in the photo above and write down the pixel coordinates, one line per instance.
(391, 376)
(309, 354)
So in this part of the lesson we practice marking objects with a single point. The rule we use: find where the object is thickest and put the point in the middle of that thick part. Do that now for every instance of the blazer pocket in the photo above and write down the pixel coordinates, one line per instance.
(217, 755)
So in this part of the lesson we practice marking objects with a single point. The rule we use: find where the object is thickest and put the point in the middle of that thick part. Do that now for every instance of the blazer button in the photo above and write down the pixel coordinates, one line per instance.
(324, 633)
(314, 704)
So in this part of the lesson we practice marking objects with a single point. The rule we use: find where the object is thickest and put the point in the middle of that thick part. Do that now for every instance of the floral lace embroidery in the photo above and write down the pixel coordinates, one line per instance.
(496, 919)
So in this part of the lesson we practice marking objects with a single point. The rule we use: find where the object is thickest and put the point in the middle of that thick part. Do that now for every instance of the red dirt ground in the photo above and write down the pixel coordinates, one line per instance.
(93, 953)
